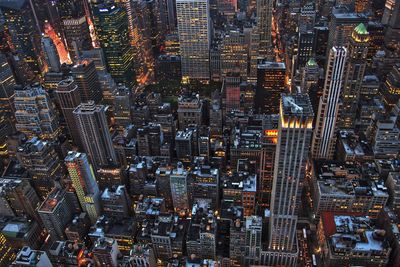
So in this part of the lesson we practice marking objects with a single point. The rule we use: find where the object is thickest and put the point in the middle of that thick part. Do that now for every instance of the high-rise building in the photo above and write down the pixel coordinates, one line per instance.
(18, 198)
(43, 164)
(7, 120)
(305, 47)
(194, 37)
(270, 84)
(309, 82)
(95, 136)
(50, 54)
(294, 138)
(353, 75)
(234, 54)
(264, 24)
(85, 76)
(122, 106)
(269, 139)
(324, 139)
(84, 182)
(55, 213)
(391, 87)
(26, 256)
(77, 36)
(342, 25)
(34, 112)
(111, 22)
(69, 98)
(179, 188)
(23, 31)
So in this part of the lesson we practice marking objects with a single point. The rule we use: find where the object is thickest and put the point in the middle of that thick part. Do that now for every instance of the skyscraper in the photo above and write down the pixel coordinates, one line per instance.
(77, 36)
(264, 23)
(294, 137)
(50, 54)
(84, 182)
(92, 124)
(43, 164)
(270, 84)
(194, 37)
(23, 30)
(55, 213)
(34, 112)
(111, 24)
(179, 190)
(341, 26)
(85, 76)
(69, 98)
(324, 138)
(7, 83)
(353, 75)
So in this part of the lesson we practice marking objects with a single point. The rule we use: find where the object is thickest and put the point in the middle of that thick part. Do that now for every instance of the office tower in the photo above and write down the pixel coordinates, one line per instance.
(50, 54)
(106, 252)
(306, 34)
(23, 31)
(93, 129)
(294, 138)
(391, 87)
(122, 106)
(111, 24)
(84, 182)
(309, 82)
(116, 202)
(324, 139)
(70, 8)
(18, 199)
(55, 213)
(376, 34)
(69, 98)
(43, 164)
(342, 25)
(194, 37)
(270, 84)
(179, 190)
(34, 112)
(388, 11)
(7, 120)
(353, 75)
(77, 36)
(264, 24)
(392, 33)
(85, 77)
(269, 139)
(234, 54)
(321, 38)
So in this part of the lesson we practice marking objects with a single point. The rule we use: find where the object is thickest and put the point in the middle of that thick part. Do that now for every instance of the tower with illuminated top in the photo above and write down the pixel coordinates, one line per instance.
(354, 75)
(294, 137)
(84, 182)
